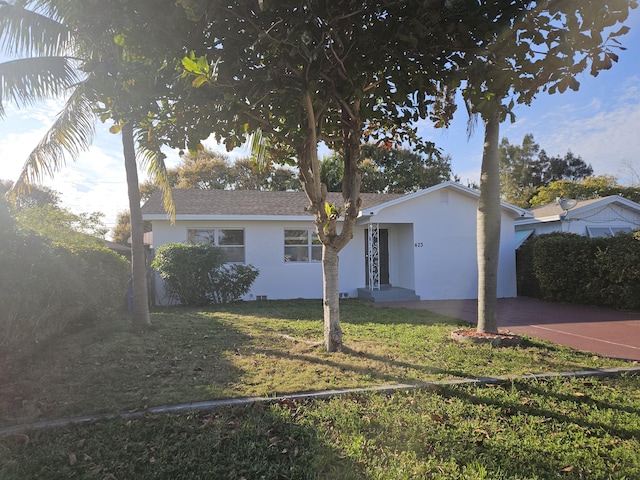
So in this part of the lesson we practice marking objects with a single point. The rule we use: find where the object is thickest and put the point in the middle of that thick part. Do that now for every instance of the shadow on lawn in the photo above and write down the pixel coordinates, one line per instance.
(112, 367)
(364, 370)
(256, 441)
(352, 310)
(535, 414)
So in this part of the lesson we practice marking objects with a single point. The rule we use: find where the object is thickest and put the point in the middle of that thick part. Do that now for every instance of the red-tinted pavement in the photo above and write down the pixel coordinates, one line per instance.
(605, 332)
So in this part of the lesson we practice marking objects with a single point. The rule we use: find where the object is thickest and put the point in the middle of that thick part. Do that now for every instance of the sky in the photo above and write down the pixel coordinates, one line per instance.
(600, 123)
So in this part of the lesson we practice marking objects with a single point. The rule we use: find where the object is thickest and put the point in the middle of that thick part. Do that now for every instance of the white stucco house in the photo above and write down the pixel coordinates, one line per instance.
(598, 217)
(423, 245)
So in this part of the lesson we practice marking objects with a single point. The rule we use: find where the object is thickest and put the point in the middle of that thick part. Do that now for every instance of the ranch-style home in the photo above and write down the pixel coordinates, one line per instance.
(598, 217)
(405, 247)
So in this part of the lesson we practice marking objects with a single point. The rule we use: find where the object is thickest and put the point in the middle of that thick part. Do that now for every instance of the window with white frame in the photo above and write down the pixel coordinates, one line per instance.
(606, 231)
(230, 241)
(302, 245)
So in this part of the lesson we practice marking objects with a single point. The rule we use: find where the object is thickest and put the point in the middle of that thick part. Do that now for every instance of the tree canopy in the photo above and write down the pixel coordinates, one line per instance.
(390, 170)
(206, 170)
(525, 168)
(586, 189)
(306, 72)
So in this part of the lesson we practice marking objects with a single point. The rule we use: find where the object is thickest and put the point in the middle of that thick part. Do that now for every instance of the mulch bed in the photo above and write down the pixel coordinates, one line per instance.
(504, 337)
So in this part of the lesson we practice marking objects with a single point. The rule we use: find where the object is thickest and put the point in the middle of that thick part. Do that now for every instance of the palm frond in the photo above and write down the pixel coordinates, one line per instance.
(29, 80)
(25, 32)
(153, 162)
(71, 134)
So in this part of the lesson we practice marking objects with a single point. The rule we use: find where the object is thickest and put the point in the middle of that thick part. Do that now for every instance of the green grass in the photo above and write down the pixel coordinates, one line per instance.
(573, 429)
(576, 429)
(250, 349)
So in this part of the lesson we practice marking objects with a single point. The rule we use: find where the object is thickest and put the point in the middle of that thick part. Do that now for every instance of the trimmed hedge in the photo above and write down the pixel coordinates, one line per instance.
(45, 287)
(571, 268)
(196, 275)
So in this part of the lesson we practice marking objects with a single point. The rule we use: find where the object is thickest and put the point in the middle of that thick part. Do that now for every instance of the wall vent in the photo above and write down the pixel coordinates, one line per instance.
(344, 294)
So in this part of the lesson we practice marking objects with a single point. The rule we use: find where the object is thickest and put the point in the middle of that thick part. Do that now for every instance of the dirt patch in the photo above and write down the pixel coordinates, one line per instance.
(504, 338)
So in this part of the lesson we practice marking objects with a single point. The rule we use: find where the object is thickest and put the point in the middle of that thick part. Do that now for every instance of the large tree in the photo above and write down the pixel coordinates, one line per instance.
(525, 168)
(586, 189)
(206, 169)
(538, 46)
(390, 170)
(305, 72)
(72, 48)
(38, 195)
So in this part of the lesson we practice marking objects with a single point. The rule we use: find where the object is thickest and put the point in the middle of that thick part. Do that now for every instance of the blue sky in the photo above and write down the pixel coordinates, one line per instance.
(600, 123)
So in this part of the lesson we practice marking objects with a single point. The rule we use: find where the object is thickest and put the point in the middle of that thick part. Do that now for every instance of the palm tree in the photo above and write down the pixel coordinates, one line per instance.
(56, 60)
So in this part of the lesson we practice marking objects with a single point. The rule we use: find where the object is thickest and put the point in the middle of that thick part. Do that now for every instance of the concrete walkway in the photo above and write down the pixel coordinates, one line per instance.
(605, 332)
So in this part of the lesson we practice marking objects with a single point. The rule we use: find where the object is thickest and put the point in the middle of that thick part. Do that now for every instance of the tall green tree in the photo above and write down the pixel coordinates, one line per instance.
(61, 226)
(205, 169)
(72, 48)
(37, 195)
(306, 72)
(121, 232)
(517, 170)
(390, 170)
(403, 171)
(586, 189)
(525, 168)
(530, 47)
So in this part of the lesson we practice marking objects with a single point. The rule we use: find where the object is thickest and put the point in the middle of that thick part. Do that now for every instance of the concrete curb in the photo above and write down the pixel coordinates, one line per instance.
(213, 404)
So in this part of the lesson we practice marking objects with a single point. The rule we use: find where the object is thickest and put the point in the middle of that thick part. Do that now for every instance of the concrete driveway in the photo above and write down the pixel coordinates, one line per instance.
(604, 332)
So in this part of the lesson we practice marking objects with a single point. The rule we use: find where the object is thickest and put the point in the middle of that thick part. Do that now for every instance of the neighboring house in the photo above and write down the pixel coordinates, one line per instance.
(416, 246)
(597, 217)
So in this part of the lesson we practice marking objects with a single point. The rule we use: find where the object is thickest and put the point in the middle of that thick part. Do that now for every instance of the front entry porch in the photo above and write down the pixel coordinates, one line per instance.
(388, 293)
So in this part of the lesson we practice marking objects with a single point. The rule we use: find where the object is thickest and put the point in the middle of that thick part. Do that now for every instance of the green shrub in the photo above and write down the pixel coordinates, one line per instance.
(577, 269)
(563, 265)
(528, 285)
(617, 265)
(45, 287)
(105, 276)
(195, 275)
(231, 282)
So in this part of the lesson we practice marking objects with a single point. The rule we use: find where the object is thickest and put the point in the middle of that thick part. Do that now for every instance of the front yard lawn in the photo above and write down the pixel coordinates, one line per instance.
(525, 429)
(251, 349)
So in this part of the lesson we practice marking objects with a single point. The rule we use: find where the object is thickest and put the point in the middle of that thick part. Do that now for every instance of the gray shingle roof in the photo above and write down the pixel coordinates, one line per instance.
(248, 202)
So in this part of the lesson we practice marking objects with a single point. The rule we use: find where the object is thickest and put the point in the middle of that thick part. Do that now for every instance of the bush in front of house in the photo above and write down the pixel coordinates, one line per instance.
(196, 275)
(571, 268)
(618, 271)
(45, 286)
(231, 282)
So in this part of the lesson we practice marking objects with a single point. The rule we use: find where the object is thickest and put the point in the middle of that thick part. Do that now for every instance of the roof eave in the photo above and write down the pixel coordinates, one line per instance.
(235, 218)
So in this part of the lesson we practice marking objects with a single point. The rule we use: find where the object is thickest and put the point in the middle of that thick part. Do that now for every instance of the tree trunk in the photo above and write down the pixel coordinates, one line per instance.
(327, 223)
(331, 300)
(140, 314)
(488, 229)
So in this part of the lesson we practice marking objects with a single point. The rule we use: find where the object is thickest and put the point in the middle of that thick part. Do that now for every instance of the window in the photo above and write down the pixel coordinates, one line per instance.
(302, 246)
(606, 231)
(230, 241)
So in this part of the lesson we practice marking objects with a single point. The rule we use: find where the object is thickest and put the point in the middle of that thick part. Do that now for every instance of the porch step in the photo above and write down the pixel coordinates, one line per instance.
(388, 294)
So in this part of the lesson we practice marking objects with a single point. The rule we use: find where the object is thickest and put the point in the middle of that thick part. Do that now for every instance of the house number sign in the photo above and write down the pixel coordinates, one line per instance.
(419, 244)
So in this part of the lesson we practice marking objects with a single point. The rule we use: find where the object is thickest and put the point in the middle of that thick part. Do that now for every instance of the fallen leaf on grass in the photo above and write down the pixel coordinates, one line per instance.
(436, 418)
(567, 469)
